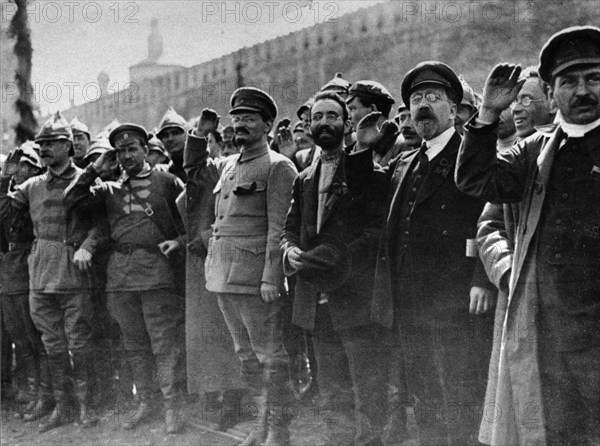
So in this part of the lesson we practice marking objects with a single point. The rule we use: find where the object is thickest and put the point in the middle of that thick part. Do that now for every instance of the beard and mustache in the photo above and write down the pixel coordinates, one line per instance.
(328, 136)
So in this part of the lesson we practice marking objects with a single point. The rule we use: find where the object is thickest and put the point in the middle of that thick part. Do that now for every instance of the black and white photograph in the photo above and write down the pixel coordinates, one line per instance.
(300, 223)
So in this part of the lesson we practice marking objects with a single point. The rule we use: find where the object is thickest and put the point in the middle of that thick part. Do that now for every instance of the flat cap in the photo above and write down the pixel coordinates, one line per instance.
(172, 119)
(577, 45)
(251, 99)
(78, 127)
(55, 128)
(327, 266)
(126, 132)
(435, 73)
(337, 84)
(468, 97)
(370, 90)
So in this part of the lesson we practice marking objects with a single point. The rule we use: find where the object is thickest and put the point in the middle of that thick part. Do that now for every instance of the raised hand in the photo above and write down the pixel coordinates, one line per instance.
(106, 163)
(501, 88)
(11, 164)
(369, 135)
(208, 122)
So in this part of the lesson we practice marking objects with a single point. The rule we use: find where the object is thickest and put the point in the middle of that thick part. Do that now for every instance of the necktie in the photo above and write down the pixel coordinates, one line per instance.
(423, 159)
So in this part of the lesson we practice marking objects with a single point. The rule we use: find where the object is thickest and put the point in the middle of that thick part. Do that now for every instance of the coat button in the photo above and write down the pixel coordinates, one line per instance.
(558, 221)
(444, 207)
(444, 233)
(226, 196)
(220, 217)
(217, 237)
(569, 169)
(565, 196)
(558, 256)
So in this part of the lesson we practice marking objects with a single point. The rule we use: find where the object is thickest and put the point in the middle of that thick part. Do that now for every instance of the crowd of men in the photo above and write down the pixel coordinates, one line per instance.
(378, 245)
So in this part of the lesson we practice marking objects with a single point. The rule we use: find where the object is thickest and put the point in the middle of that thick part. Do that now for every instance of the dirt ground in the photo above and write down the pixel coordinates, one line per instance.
(307, 429)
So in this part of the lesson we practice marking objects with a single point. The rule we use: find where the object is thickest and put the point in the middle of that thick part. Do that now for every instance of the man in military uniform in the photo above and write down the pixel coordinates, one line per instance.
(243, 263)
(14, 278)
(141, 280)
(81, 142)
(157, 154)
(467, 106)
(171, 131)
(549, 358)
(59, 294)
(422, 268)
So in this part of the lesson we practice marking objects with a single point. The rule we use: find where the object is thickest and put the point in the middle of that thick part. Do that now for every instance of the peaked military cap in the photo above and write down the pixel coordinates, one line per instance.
(371, 90)
(78, 127)
(468, 97)
(337, 84)
(30, 154)
(577, 45)
(126, 132)
(431, 72)
(157, 145)
(172, 119)
(253, 99)
(55, 128)
(99, 146)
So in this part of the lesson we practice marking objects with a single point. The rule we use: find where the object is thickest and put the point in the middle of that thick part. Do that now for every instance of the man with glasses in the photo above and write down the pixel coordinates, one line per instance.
(243, 265)
(531, 108)
(423, 275)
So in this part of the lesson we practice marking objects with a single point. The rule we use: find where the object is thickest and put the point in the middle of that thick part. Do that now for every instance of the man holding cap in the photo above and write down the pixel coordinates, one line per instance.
(548, 385)
(243, 264)
(141, 278)
(423, 270)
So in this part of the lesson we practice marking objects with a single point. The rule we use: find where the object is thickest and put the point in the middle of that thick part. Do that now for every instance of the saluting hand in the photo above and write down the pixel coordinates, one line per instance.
(368, 135)
(106, 163)
(501, 88)
(11, 165)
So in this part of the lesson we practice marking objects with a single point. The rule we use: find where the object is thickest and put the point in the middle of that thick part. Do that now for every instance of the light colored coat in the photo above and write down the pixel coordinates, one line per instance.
(514, 412)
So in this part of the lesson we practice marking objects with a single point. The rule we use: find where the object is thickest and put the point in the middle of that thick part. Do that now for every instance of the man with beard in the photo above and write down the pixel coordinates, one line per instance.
(243, 266)
(549, 354)
(531, 108)
(59, 296)
(171, 132)
(17, 228)
(81, 142)
(422, 268)
(329, 241)
(141, 281)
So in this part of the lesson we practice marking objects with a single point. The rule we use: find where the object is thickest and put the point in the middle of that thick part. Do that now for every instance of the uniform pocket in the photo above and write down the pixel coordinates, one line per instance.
(247, 265)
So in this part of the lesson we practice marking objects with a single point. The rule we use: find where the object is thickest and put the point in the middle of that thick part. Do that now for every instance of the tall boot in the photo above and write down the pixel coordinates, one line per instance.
(172, 417)
(59, 415)
(81, 377)
(258, 434)
(142, 370)
(281, 404)
(44, 401)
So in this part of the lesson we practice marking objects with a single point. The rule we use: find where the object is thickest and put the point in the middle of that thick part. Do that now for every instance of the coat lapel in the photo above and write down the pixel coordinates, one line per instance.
(442, 168)
(311, 198)
(337, 190)
(534, 201)
(403, 167)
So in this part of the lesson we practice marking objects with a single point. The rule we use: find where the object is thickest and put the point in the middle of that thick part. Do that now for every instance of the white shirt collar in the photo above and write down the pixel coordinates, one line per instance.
(437, 144)
(578, 130)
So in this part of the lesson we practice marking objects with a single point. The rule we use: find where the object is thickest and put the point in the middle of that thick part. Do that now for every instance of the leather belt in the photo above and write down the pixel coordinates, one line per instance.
(128, 248)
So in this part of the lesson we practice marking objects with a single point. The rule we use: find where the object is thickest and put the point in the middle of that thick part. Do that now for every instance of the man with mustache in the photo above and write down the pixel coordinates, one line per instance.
(408, 135)
(243, 266)
(531, 107)
(329, 242)
(171, 131)
(549, 355)
(424, 279)
(59, 294)
(141, 282)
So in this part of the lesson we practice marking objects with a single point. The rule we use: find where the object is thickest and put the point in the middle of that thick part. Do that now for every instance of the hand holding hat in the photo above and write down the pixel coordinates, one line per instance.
(500, 90)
